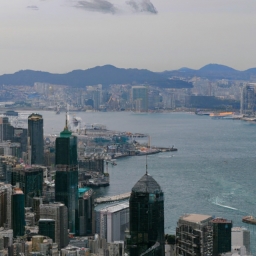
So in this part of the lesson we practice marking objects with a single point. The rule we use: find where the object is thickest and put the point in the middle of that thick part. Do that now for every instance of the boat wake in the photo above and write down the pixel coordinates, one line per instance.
(224, 206)
(164, 156)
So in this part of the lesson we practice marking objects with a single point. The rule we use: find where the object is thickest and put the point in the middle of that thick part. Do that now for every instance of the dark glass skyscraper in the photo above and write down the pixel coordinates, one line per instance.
(66, 180)
(221, 236)
(18, 213)
(146, 218)
(30, 180)
(36, 138)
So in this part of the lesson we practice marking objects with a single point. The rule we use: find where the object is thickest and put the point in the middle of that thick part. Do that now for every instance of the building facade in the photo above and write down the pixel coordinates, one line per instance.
(55, 214)
(47, 228)
(194, 235)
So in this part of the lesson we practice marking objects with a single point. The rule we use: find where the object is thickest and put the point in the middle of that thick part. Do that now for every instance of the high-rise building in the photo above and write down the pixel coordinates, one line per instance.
(66, 179)
(36, 138)
(18, 212)
(194, 235)
(6, 166)
(30, 180)
(54, 214)
(5, 205)
(140, 98)
(112, 221)
(248, 100)
(95, 93)
(146, 218)
(6, 130)
(221, 229)
(240, 237)
(86, 211)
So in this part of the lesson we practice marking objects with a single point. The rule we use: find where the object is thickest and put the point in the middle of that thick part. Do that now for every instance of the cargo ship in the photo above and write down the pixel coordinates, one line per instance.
(249, 220)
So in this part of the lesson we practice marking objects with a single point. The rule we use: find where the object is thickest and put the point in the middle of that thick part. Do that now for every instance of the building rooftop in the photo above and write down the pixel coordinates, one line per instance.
(35, 117)
(239, 229)
(196, 218)
(116, 207)
(146, 185)
(221, 220)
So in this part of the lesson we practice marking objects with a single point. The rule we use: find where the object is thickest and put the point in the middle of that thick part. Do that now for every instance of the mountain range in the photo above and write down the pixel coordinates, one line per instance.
(109, 74)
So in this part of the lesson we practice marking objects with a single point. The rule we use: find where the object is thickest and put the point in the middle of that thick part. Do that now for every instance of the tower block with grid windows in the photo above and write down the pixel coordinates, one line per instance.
(66, 180)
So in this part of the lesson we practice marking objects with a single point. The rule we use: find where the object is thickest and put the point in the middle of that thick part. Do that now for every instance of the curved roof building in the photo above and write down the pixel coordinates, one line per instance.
(146, 218)
(146, 184)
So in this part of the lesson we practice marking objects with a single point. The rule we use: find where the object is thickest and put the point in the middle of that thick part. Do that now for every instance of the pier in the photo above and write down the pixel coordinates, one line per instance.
(108, 199)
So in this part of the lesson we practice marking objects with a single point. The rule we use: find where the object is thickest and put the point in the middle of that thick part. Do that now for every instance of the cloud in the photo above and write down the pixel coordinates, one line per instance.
(97, 6)
(142, 6)
(33, 7)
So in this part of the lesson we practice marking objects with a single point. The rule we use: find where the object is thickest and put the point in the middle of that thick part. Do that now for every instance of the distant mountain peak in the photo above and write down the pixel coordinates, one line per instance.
(216, 68)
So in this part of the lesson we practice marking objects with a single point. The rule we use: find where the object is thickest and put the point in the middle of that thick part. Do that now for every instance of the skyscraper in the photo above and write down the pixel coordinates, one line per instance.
(66, 180)
(30, 180)
(36, 138)
(221, 236)
(146, 218)
(18, 212)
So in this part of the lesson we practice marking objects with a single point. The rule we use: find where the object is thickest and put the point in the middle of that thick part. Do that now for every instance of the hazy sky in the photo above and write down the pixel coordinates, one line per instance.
(62, 35)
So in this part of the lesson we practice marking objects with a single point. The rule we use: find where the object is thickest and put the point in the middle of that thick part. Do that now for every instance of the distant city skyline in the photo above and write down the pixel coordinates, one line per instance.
(59, 36)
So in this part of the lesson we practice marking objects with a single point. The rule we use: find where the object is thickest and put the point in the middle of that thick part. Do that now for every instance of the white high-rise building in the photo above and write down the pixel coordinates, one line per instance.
(112, 221)
(240, 237)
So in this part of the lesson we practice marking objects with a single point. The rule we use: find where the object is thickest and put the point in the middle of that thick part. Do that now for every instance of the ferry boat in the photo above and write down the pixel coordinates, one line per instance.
(249, 220)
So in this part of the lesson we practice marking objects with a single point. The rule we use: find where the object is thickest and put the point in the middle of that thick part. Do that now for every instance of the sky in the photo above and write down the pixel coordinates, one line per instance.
(59, 36)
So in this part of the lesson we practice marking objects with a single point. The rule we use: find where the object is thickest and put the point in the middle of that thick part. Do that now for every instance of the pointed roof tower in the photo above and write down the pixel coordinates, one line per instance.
(146, 185)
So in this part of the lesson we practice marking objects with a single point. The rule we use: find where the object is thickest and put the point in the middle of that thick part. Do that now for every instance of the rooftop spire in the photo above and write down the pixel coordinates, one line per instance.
(66, 133)
(66, 126)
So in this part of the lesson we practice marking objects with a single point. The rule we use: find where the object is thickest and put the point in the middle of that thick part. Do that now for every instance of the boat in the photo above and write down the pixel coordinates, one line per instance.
(202, 113)
(221, 114)
(249, 220)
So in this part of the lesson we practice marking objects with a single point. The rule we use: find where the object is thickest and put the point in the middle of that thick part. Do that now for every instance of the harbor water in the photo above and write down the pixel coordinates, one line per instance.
(213, 171)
